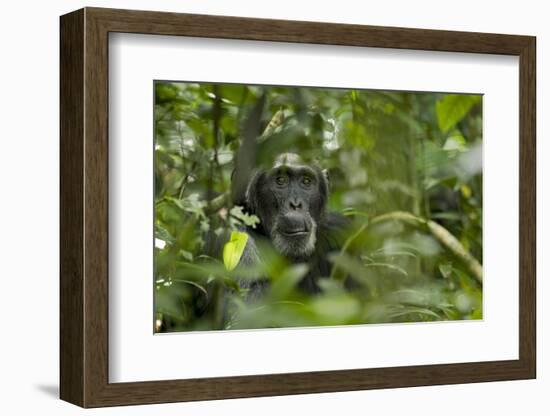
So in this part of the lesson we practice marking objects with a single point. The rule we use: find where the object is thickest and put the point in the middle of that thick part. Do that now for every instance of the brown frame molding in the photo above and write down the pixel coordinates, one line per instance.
(84, 207)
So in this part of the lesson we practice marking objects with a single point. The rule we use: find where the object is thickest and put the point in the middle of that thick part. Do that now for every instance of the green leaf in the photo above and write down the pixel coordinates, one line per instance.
(455, 142)
(446, 269)
(246, 219)
(404, 311)
(286, 279)
(389, 266)
(233, 249)
(335, 310)
(452, 108)
(163, 234)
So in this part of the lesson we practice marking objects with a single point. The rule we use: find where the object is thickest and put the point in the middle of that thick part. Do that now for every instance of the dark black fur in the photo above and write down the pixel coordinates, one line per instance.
(293, 218)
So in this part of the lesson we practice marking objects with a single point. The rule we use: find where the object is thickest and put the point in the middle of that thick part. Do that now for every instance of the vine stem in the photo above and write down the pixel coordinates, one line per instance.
(346, 246)
(441, 234)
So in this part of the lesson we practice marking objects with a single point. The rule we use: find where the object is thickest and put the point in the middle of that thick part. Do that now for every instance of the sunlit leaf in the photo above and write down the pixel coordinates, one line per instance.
(452, 108)
(233, 249)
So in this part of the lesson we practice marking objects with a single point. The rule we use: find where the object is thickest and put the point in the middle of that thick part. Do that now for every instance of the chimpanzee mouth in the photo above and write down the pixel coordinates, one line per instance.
(294, 237)
(293, 225)
(295, 230)
(295, 233)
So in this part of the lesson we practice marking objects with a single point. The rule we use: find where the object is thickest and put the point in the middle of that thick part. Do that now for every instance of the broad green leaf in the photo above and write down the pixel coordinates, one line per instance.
(165, 92)
(335, 310)
(452, 108)
(233, 249)
(286, 279)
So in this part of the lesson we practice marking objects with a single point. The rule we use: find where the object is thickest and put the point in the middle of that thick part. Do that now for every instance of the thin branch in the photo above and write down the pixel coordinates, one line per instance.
(345, 247)
(217, 203)
(185, 180)
(441, 234)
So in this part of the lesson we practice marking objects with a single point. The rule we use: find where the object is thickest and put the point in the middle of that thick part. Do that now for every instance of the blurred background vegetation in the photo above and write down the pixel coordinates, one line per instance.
(405, 167)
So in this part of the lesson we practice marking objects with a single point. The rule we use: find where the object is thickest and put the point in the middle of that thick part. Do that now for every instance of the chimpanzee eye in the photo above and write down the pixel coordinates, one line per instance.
(281, 180)
(306, 181)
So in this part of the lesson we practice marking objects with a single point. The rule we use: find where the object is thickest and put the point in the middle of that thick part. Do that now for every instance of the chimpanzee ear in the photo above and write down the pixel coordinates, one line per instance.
(251, 196)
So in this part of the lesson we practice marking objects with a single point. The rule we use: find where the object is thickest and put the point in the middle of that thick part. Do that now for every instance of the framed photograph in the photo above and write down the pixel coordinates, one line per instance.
(255, 207)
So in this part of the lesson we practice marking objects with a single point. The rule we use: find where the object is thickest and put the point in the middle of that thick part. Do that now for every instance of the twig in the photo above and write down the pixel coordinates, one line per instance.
(217, 203)
(185, 180)
(345, 248)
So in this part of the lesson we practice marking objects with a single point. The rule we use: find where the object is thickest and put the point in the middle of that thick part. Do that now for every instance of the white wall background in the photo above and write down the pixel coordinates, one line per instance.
(29, 159)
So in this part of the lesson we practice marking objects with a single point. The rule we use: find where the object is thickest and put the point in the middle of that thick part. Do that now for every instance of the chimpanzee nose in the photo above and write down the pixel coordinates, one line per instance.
(295, 204)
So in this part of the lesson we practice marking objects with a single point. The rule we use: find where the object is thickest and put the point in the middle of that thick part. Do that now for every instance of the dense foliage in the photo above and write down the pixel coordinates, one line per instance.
(404, 167)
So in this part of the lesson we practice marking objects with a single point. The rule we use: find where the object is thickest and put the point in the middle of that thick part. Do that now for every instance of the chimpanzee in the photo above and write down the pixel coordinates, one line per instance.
(290, 200)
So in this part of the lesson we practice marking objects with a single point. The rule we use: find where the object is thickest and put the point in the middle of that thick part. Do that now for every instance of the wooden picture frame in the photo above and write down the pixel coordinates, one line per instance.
(84, 207)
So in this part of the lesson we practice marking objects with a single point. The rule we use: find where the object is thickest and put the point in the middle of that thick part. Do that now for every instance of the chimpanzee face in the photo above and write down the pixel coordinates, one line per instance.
(290, 201)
